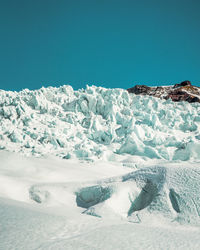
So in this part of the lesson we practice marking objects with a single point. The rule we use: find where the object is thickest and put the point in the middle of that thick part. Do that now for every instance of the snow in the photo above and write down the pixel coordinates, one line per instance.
(98, 169)
(51, 203)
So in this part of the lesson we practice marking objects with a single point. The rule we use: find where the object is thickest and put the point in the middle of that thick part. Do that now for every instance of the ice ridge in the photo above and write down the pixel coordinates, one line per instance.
(98, 123)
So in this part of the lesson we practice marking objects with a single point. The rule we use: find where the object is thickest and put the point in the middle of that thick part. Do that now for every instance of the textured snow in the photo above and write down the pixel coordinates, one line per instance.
(165, 192)
(98, 123)
(57, 204)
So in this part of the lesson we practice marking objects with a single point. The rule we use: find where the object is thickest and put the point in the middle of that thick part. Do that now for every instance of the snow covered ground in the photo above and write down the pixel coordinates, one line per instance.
(58, 204)
(98, 169)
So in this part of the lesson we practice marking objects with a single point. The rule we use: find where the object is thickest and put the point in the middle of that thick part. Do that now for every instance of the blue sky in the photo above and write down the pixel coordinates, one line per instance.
(100, 42)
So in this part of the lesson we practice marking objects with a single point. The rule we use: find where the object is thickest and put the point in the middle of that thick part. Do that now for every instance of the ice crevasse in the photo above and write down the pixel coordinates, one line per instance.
(98, 123)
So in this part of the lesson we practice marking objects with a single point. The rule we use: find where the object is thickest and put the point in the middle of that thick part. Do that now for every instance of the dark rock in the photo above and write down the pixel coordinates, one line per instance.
(185, 83)
(183, 91)
(139, 89)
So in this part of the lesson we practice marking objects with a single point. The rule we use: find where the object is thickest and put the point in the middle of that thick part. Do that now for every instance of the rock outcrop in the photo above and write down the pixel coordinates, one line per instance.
(183, 91)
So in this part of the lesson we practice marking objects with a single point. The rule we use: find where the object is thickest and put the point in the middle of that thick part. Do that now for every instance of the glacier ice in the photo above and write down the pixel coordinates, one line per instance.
(97, 123)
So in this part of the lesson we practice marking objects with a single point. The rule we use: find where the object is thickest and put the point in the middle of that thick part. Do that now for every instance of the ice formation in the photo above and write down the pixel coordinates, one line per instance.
(98, 123)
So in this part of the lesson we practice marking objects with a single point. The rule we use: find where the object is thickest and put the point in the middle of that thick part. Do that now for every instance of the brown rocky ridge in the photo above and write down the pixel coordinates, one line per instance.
(183, 91)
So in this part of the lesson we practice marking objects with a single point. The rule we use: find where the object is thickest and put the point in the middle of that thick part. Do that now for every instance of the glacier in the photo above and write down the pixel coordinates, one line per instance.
(96, 123)
(99, 169)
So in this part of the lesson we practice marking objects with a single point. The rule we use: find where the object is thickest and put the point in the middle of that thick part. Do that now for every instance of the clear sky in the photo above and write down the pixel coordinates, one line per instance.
(107, 43)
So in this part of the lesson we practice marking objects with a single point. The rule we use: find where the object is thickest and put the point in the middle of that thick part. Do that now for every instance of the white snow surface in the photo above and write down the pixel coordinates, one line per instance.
(98, 169)
(50, 203)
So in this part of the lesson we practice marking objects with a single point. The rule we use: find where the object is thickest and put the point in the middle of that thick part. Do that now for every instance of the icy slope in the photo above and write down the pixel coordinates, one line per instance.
(98, 123)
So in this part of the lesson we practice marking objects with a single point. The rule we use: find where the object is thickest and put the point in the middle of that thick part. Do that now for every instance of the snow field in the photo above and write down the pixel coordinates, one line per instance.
(168, 191)
(57, 204)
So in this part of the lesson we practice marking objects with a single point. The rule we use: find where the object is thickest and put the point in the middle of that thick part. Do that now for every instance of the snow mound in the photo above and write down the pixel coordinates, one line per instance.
(98, 123)
(153, 193)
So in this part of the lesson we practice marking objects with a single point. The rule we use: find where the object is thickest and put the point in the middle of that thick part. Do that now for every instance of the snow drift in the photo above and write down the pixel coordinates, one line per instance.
(98, 123)
(164, 193)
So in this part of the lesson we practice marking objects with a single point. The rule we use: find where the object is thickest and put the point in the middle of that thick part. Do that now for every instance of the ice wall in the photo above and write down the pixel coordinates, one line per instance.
(98, 123)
